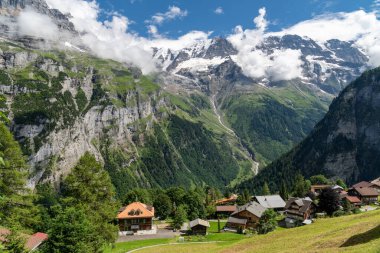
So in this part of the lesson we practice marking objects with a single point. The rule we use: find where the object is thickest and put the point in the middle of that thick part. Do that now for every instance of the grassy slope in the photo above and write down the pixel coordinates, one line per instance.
(354, 233)
(271, 121)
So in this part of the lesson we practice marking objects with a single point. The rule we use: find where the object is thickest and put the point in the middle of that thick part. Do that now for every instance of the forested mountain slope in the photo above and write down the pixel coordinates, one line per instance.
(344, 144)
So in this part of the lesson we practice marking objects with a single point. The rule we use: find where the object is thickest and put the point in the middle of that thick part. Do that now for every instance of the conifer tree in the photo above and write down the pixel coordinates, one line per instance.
(266, 190)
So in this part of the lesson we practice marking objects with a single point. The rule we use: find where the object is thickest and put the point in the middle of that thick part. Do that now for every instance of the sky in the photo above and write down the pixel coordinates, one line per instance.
(221, 16)
(128, 30)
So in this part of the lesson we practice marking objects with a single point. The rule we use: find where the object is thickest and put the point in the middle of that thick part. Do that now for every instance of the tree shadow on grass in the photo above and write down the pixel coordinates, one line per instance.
(365, 237)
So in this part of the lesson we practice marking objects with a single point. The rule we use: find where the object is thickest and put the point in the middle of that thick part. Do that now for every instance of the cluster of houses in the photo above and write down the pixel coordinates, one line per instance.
(138, 217)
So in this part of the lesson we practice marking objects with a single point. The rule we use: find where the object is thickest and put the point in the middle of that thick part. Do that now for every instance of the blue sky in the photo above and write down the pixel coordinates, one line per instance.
(200, 14)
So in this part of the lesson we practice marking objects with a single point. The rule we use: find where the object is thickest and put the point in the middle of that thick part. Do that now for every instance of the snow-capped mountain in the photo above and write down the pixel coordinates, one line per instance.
(330, 66)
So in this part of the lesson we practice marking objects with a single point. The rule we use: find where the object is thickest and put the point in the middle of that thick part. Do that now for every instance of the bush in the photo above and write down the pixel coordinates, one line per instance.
(338, 213)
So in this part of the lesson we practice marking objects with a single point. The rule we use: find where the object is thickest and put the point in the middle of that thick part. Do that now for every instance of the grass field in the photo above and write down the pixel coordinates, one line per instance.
(354, 233)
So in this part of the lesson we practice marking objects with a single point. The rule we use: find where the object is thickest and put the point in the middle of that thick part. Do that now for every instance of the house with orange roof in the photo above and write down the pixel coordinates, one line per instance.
(136, 218)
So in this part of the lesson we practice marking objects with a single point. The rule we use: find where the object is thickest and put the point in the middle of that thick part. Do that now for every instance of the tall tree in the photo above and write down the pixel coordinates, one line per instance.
(179, 217)
(301, 186)
(329, 201)
(162, 205)
(284, 191)
(319, 179)
(267, 222)
(89, 186)
(15, 200)
(266, 190)
(341, 183)
(72, 231)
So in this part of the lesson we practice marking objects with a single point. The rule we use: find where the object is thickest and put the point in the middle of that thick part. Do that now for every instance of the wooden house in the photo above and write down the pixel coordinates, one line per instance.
(298, 210)
(376, 182)
(274, 202)
(251, 212)
(236, 223)
(367, 195)
(225, 211)
(199, 227)
(136, 217)
(353, 200)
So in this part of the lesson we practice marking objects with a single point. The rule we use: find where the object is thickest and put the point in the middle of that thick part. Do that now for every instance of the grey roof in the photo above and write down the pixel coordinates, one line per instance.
(304, 204)
(201, 222)
(236, 220)
(271, 201)
(252, 207)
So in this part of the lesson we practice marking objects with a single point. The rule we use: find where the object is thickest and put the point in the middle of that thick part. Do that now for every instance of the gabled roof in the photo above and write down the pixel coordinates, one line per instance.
(252, 207)
(303, 204)
(271, 201)
(237, 220)
(226, 208)
(362, 184)
(36, 240)
(32, 241)
(376, 182)
(366, 191)
(136, 210)
(352, 199)
(197, 222)
(232, 198)
(337, 187)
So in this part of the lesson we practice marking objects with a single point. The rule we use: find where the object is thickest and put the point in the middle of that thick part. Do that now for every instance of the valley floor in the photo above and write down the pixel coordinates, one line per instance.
(354, 233)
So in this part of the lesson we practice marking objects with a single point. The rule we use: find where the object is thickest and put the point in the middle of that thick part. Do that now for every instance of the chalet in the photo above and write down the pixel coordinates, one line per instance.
(199, 227)
(298, 210)
(364, 184)
(236, 223)
(136, 218)
(271, 201)
(353, 200)
(32, 242)
(225, 210)
(377, 183)
(227, 201)
(251, 212)
(367, 195)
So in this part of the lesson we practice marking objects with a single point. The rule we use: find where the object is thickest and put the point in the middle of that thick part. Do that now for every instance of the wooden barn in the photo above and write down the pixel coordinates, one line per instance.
(199, 227)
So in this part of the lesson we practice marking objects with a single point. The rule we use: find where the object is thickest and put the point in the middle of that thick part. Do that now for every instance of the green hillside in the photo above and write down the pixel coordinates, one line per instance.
(354, 234)
(272, 120)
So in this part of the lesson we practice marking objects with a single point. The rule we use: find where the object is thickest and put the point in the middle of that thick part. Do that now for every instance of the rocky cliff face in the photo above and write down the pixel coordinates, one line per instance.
(344, 144)
(57, 117)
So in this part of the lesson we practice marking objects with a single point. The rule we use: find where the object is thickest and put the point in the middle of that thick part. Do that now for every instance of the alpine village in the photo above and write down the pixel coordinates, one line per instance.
(189, 126)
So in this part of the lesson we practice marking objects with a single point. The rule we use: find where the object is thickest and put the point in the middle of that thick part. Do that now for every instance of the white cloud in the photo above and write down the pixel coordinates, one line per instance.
(31, 22)
(219, 11)
(279, 65)
(172, 13)
(260, 21)
(359, 26)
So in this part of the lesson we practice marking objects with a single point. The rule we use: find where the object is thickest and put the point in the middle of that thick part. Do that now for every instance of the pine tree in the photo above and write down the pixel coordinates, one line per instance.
(15, 201)
(301, 187)
(284, 191)
(266, 190)
(89, 186)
